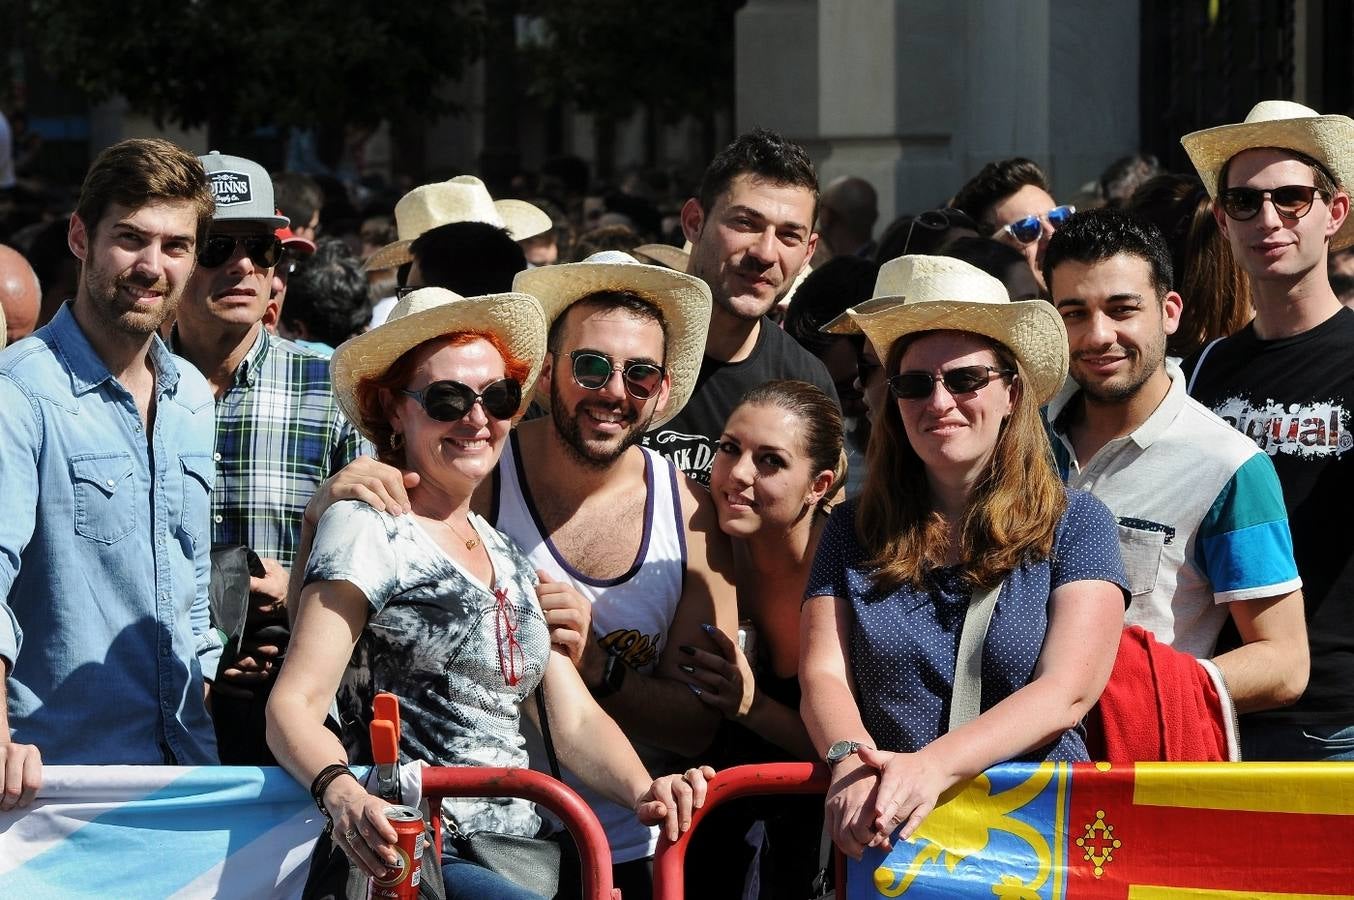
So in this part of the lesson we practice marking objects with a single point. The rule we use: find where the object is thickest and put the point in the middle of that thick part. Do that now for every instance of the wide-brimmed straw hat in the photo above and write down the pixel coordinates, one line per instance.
(667, 255)
(1288, 126)
(939, 293)
(462, 199)
(683, 299)
(516, 319)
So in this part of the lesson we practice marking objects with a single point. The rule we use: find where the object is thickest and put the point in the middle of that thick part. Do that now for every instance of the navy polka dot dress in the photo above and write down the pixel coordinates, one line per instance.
(903, 645)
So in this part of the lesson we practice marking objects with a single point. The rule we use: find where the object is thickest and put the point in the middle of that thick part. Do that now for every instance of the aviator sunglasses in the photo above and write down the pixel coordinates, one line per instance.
(449, 401)
(592, 370)
(1292, 201)
(1029, 228)
(263, 250)
(962, 380)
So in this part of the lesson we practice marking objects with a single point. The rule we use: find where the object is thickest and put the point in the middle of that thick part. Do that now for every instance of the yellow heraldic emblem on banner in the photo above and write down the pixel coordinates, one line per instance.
(969, 818)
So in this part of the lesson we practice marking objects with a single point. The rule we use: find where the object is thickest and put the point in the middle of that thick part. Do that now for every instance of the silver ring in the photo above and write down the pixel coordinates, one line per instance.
(350, 834)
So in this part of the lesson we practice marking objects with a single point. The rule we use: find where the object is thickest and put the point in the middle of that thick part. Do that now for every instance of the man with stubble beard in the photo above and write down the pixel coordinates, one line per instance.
(634, 565)
(751, 234)
(106, 471)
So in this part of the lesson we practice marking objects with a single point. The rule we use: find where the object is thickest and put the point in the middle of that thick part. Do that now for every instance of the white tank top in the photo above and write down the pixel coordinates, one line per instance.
(633, 612)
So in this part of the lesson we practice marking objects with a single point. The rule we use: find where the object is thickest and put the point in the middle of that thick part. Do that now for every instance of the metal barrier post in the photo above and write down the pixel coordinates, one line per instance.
(669, 875)
(559, 798)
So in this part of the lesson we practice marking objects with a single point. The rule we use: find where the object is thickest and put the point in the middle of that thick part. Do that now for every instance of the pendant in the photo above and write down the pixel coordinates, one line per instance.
(471, 543)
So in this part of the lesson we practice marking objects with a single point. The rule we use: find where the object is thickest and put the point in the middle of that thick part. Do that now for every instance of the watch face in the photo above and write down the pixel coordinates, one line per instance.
(840, 750)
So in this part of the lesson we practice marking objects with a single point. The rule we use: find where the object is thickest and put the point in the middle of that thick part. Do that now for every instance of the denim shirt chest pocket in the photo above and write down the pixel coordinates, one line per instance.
(195, 514)
(104, 496)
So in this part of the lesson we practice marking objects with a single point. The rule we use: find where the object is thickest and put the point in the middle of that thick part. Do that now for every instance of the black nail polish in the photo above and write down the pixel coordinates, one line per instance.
(688, 669)
(687, 649)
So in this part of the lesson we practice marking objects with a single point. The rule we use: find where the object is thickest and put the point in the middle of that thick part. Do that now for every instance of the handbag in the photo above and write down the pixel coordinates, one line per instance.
(528, 862)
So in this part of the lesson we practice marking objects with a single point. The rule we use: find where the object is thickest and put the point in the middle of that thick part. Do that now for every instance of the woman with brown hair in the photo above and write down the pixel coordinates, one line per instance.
(1216, 290)
(778, 467)
(965, 609)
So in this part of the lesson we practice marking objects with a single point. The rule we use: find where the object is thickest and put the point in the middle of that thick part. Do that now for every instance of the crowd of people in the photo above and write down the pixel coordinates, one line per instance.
(1017, 481)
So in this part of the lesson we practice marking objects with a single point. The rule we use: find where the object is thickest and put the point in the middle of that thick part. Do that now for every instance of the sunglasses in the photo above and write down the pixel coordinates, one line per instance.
(512, 659)
(263, 250)
(938, 220)
(449, 401)
(1292, 201)
(1029, 228)
(592, 370)
(963, 380)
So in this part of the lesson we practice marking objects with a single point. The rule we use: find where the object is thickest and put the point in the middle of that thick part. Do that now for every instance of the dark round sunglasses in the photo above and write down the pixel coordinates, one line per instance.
(592, 370)
(449, 401)
(963, 380)
(263, 250)
(1029, 228)
(1292, 201)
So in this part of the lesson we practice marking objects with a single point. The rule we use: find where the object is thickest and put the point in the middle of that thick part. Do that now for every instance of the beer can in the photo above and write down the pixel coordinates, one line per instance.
(747, 641)
(401, 880)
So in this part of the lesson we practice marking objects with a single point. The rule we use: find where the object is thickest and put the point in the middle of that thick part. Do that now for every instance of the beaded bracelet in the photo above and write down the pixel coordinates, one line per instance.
(322, 782)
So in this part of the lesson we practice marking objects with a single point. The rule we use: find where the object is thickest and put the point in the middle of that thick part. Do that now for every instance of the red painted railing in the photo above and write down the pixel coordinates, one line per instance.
(539, 788)
(669, 875)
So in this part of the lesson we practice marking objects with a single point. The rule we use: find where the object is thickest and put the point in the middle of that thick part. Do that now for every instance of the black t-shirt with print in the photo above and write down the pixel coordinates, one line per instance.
(1294, 397)
(689, 439)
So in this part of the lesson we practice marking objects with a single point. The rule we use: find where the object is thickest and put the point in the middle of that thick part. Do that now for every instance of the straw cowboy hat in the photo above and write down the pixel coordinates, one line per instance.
(665, 255)
(684, 300)
(516, 319)
(462, 199)
(1288, 126)
(938, 293)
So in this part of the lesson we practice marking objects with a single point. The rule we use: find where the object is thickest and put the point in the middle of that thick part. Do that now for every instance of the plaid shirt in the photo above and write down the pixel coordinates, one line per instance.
(279, 433)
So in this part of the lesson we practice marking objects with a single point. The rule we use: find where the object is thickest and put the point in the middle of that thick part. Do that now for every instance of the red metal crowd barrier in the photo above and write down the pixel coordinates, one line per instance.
(669, 875)
(539, 788)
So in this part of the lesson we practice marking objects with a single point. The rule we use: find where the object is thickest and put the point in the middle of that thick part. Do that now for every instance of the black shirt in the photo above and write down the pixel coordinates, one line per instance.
(1293, 396)
(689, 439)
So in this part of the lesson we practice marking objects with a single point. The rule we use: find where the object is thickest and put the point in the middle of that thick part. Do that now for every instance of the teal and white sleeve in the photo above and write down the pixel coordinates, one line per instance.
(1243, 544)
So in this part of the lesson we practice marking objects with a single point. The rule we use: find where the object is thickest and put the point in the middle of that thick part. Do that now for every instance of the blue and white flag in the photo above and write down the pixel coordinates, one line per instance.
(160, 831)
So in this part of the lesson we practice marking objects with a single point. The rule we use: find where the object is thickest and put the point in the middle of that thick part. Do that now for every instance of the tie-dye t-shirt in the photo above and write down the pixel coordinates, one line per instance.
(443, 643)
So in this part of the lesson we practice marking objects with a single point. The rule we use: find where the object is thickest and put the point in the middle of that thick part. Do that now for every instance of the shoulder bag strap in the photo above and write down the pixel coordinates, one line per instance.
(545, 731)
(967, 694)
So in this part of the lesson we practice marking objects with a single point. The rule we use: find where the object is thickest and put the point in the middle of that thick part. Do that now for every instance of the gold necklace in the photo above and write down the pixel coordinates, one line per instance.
(470, 542)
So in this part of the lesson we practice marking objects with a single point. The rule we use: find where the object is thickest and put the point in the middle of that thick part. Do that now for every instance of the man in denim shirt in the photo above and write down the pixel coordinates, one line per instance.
(106, 470)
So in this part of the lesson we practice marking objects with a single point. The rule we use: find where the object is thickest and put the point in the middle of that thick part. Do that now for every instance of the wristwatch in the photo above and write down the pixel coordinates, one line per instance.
(613, 676)
(841, 750)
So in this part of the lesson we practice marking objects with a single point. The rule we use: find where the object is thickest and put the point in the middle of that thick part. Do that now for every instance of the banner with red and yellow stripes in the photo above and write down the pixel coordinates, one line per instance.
(1205, 831)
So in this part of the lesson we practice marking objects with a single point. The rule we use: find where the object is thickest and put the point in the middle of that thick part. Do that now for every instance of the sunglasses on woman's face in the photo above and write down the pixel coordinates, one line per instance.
(449, 401)
(592, 370)
(1292, 201)
(263, 250)
(963, 380)
(1029, 228)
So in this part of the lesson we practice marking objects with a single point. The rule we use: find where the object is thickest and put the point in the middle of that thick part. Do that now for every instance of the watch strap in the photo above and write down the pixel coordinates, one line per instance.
(613, 676)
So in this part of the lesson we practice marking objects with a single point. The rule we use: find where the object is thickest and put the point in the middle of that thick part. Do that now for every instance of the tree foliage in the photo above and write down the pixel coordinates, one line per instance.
(240, 64)
(609, 56)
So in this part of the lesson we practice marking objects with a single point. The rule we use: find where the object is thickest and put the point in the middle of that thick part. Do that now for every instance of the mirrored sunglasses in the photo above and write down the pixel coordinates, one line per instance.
(449, 401)
(263, 250)
(1292, 201)
(592, 370)
(962, 380)
(1029, 228)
